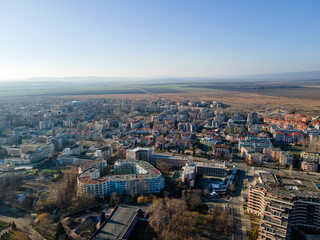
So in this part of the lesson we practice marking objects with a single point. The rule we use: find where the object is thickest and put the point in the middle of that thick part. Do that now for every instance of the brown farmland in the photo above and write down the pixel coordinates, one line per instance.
(237, 100)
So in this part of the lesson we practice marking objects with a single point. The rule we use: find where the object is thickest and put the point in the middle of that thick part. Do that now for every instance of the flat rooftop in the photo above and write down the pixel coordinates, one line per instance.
(117, 225)
(211, 164)
(288, 187)
(138, 149)
(88, 169)
(189, 169)
(150, 171)
(267, 178)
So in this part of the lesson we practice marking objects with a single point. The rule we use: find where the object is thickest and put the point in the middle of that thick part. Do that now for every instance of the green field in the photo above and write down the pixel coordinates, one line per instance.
(176, 175)
(100, 89)
(16, 235)
(294, 89)
(3, 225)
(47, 170)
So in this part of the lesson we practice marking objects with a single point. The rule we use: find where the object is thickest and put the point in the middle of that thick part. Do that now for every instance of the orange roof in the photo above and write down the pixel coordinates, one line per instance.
(90, 180)
(278, 132)
(87, 165)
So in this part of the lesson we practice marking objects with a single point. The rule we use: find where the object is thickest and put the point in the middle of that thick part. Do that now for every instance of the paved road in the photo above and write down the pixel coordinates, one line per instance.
(242, 166)
(239, 230)
(298, 174)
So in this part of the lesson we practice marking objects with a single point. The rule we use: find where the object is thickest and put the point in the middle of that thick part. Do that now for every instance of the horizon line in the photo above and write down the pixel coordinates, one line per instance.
(163, 77)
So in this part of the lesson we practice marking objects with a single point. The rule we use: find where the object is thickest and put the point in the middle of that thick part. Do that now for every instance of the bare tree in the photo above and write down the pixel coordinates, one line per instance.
(314, 144)
(221, 219)
(163, 166)
(162, 210)
(192, 198)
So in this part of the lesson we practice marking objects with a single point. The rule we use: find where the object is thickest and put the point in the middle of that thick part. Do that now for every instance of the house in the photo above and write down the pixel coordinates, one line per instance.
(288, 137)
(222, 151)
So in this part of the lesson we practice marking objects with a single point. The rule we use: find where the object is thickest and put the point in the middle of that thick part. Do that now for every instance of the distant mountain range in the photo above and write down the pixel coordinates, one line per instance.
(306, 75)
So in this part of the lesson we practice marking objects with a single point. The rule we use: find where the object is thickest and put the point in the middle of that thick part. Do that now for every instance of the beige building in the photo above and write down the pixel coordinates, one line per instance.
(283, 204)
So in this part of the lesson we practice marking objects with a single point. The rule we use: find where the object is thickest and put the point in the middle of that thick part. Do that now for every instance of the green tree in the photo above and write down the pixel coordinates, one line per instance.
(133, 198)
(102, 218)
(210, 149)
(13, 225)
(112, 202)
(121, 199)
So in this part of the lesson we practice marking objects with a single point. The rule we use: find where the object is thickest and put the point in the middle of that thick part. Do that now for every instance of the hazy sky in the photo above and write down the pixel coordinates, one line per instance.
(157, 38)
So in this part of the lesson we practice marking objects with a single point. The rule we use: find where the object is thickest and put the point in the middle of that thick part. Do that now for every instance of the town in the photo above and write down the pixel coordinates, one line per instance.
(117, 168)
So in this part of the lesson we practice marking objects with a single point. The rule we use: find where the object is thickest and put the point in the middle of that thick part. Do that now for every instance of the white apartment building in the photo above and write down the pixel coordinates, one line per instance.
(73, 150)
(130, 176)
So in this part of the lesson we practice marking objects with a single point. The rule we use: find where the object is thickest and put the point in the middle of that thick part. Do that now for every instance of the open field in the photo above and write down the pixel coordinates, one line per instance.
(292, 90)
(98, 89)
(237, 100)
(3, 225)
(302, 96)
(307, 89)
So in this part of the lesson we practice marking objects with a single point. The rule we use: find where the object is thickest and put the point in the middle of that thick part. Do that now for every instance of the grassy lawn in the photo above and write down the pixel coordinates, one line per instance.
(3, 225)
(254, 220)
(296, 149)
(175, 175)
(16, 235)
(49, 170)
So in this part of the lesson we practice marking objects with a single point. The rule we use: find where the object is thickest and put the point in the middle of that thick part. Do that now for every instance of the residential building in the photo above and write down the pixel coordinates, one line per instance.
(120, 223)
(217, 169)
(40, 153)
(30, 153)
(103, 153)
(73, 150)
(189, 174)
(283, 204)
(224, 151)
(130, 176)
(309, 166)
(256, 143)
(286, 159)
(72, 160)
(296, 117)
(278, 156)
(288, 137)
(309, 161)
(285, 123)
(138, 123)
(253, 118)
(140, 154)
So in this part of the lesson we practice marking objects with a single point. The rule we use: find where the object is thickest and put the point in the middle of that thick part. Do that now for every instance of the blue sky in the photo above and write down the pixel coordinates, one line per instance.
(153, 38)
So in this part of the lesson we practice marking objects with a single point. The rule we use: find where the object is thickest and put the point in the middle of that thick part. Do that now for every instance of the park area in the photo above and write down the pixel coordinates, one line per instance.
(8, 231)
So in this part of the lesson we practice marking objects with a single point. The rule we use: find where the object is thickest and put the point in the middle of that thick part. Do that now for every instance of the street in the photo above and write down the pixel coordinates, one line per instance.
(297, 174)
(239, 230)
